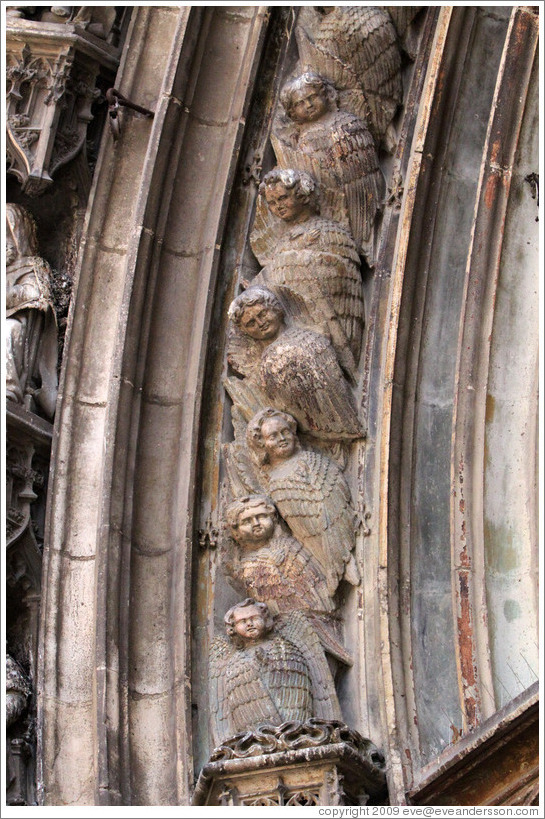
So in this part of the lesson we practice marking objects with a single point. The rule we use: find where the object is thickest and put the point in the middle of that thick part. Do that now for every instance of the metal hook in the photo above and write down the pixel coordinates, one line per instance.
(115, 99)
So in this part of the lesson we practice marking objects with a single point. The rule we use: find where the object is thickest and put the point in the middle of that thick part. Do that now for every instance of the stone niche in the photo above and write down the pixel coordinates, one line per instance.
(51, 70)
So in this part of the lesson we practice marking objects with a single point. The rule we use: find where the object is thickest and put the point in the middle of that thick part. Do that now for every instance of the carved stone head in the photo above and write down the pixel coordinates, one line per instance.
(272, 436)
(308, 97)
(257, 313)
(252, 520)
(248, 622)
(290, 194)
(21, 237)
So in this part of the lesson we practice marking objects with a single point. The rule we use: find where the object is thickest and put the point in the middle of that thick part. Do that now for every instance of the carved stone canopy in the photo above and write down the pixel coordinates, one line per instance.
(51, 71)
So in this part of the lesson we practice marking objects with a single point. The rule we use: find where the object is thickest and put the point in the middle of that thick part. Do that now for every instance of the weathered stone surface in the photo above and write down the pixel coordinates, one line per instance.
(134, 579)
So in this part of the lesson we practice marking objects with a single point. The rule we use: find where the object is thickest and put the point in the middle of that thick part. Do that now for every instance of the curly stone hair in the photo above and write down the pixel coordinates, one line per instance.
(229, 619)
(253, 295)
(303, 185)
(235, 509)
(308, 80)
(254, 437)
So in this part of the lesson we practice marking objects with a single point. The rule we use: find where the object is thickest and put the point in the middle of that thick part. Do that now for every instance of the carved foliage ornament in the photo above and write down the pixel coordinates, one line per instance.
(48, 99)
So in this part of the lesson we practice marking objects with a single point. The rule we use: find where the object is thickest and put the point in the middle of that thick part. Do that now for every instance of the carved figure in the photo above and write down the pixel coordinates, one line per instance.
(271, 566)
(18, 690)
(295, 368)
(31, 327)
(311, 263)
(356, 48)
(267, 673)
(336, 148)
(309, 491)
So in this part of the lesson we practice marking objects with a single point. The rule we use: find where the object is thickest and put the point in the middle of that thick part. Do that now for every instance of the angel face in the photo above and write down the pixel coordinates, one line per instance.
(308, 105)
(278, 439)
(249, 623)
(261, 321)
(255, 524)
(284, 203)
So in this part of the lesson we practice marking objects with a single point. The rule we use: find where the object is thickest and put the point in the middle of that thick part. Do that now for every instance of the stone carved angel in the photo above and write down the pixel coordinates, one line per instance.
(271, 566)
(31, 327)
(309, 491)
(267, 672)
(356, 48)
(337, 149)
(288, 365)
(310, 263)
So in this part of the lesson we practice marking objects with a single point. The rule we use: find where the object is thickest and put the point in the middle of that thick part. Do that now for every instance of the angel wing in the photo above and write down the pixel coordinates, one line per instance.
(219, 657)
(348, 162)
(314, 57)
(356, 47)
(402, 18)
(298, 630)
(267, 231)
(247, 396)
(313, 497)
(301, 375)
(243, 352)
(284, 575)
(287, 679)
(315, 272)
(239, 697)
(340, 153)
(239, 465)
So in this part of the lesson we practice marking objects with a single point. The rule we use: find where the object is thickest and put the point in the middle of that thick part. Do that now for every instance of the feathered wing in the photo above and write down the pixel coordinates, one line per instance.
(341, 155)
(298, 630)
(315, 272)
(313, 497)
(286, 676)
(302, 376)
(309, 581)
(239, 697)
(402, 18)
(220, 656)
(267, 231)
(247, 396)
(239, 465)
(243, 353)
(284, 575)
(356, 47)
(351, 165)
(315, 57)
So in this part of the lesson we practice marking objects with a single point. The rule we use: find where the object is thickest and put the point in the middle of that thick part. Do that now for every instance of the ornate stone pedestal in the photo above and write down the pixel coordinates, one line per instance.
(312, 763)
